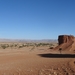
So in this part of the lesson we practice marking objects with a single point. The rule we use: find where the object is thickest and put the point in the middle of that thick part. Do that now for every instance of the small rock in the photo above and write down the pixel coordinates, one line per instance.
(55, 73)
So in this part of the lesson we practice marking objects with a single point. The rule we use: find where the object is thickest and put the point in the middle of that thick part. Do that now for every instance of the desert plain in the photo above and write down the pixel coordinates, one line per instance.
(42, 59)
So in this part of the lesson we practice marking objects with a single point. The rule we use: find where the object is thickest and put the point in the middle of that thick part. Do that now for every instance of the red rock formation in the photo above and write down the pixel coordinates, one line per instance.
(66, 42)
(65, 39)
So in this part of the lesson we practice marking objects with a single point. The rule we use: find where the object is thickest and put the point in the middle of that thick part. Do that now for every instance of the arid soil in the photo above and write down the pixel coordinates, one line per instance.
(40, 61)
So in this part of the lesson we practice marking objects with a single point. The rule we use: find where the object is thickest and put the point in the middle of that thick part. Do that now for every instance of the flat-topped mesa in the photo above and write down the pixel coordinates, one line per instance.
(65, 39)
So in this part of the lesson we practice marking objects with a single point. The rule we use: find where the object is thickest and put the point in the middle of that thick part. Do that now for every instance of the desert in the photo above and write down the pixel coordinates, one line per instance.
(38, 58)
(37, 37)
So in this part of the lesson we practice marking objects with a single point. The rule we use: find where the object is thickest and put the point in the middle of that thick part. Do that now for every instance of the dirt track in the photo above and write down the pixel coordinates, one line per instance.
(26, 62)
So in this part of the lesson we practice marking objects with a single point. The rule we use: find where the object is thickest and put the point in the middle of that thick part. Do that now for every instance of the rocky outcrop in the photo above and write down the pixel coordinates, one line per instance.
(65, 39)
(66, 42)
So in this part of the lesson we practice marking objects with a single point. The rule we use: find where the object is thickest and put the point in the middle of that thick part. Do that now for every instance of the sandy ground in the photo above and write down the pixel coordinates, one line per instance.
(39, 61)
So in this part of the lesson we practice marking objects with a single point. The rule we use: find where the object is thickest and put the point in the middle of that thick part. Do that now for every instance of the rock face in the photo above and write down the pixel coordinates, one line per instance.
(65, 39)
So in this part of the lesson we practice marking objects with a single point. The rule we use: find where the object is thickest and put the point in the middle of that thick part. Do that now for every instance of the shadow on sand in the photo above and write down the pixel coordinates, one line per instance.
(57, 55)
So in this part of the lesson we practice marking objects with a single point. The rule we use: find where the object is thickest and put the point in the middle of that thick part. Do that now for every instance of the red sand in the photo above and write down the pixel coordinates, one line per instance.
(26, 62)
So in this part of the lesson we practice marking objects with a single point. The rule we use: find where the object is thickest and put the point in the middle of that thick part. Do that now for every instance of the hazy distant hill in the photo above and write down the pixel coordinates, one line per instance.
(29, 41)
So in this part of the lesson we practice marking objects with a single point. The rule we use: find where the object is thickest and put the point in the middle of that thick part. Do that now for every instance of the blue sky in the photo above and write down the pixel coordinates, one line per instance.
(36, 19)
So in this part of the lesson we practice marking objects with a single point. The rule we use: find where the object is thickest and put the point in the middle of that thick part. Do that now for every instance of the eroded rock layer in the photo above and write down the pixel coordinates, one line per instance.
(66, 42)
(65, 39)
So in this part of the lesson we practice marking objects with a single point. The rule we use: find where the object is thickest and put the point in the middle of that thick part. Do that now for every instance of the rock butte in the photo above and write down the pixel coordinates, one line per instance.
(66, 42)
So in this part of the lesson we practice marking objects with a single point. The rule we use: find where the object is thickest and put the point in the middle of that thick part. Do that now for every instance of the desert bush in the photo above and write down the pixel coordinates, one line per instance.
(11, 45)
(20, 46)
(60, 49)
(51, 48)
(41, 44)
(51, 44)
(3, 46)
(7, 45)
(15, 45)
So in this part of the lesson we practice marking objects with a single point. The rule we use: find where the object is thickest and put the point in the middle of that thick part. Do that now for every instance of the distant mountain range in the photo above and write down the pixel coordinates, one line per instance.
(30, 41)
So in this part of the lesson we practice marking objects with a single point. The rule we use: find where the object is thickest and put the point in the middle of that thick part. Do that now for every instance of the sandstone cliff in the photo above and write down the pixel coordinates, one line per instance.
(66, 42)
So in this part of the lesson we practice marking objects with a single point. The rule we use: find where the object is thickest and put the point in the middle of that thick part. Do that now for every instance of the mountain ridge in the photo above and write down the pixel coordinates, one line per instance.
(28, 40)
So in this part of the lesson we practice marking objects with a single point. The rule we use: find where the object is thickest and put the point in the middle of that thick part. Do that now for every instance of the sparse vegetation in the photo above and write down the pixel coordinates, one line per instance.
(22, 45)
